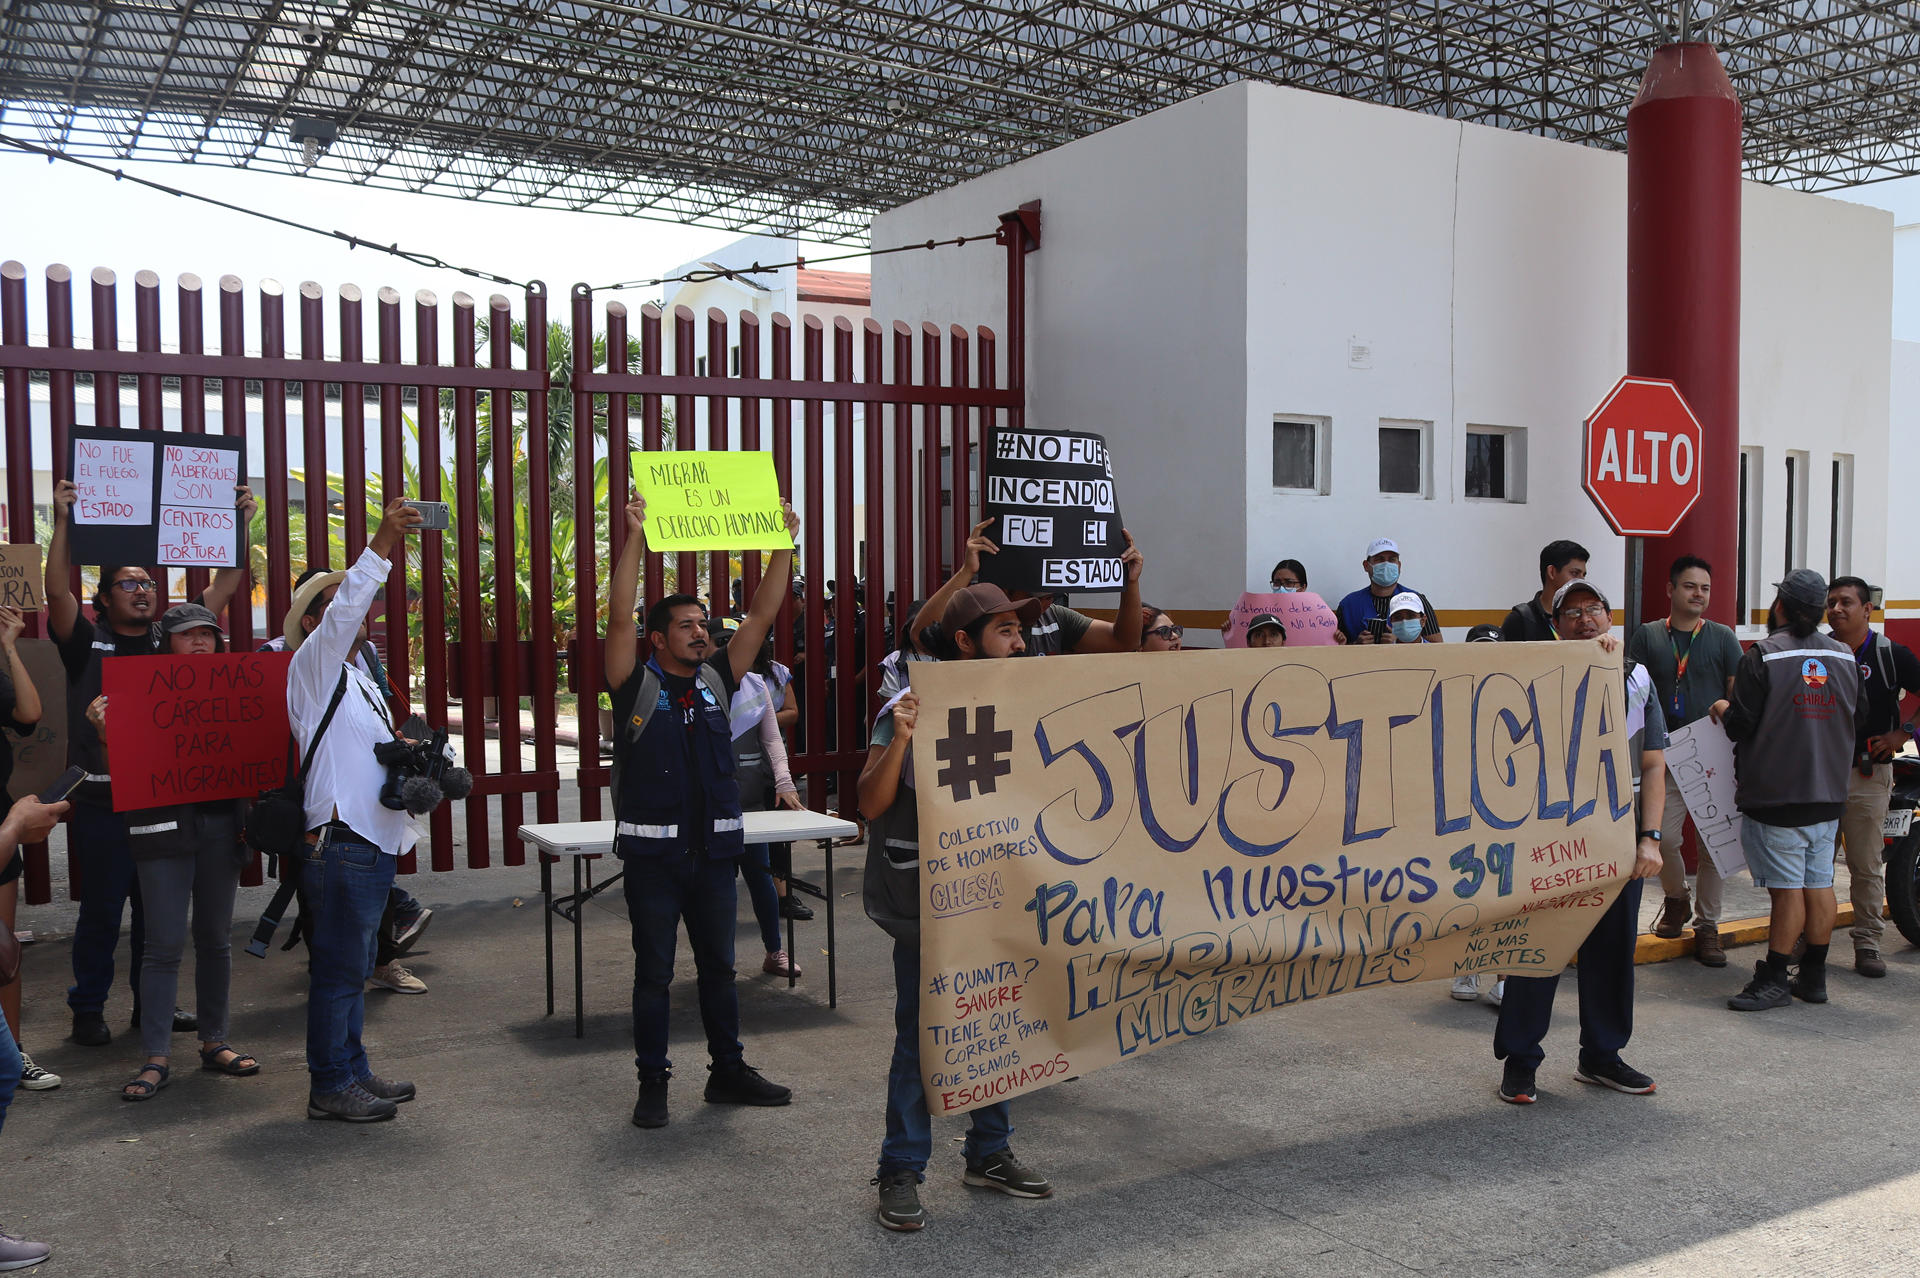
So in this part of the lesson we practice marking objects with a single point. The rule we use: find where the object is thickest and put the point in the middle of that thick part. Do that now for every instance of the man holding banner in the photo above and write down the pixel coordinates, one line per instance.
(679, 827)
(1605, 974)
(126, 612)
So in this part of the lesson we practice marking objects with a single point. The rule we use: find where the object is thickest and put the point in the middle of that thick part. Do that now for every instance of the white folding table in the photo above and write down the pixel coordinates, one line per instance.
(582, 840)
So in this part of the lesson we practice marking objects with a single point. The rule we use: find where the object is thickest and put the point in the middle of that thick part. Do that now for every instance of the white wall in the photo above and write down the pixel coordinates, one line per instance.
(1136, 306)
(1486, 271)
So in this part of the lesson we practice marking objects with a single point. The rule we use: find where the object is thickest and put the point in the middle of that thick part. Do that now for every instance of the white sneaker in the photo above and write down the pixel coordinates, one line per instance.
(1466, 988)
(33, 1078)
(1498, 992)
(398, 979)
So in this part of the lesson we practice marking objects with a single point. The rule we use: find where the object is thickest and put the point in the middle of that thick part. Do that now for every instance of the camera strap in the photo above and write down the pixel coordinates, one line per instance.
(290, 881)
(339, 691)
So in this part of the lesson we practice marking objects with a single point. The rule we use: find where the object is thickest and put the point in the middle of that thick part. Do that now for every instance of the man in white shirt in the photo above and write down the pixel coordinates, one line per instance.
(352, 839)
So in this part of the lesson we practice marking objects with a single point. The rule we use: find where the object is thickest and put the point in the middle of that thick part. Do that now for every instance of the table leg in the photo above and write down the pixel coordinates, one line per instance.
(833, 950)
(546, 899)
(579, 977)
(792, 953)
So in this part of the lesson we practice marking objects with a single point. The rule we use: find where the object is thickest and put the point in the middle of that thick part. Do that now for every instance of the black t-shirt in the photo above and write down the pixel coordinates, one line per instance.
(681, 697)
(1883, 687)
(81, 652)
(1528, 623)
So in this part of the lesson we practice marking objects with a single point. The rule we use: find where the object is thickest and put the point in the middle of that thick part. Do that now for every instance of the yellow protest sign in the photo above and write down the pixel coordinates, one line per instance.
(711, 501)
(1116, 854)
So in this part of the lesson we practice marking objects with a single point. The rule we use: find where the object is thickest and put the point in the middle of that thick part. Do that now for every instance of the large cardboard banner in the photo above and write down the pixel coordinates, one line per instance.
(186, 729)
(156, 497)
(40, 758)
(1056, 519)
(1120, 853)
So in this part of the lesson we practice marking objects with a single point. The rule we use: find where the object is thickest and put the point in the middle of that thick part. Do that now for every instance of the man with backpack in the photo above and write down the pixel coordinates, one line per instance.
(678, 823)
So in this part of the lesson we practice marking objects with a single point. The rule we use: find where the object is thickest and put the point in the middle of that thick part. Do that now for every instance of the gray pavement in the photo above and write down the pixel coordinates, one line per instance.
(1357, 1136)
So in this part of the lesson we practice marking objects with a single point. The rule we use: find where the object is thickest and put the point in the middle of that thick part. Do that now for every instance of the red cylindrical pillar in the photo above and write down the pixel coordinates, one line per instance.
(1683, 289)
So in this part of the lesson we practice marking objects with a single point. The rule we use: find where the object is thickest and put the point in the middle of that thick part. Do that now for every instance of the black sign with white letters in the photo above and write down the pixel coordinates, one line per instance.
(1056, 519)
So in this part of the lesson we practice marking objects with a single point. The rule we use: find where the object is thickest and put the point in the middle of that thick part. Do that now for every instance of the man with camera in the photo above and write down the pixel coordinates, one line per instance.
(340, 716)
(679, 828)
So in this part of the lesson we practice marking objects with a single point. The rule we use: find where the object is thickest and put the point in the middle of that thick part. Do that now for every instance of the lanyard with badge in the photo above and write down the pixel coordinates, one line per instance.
(1680, 660)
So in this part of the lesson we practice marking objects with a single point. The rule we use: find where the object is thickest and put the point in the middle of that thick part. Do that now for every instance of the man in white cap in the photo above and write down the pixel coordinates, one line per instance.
(353, 838)
(1365, 616)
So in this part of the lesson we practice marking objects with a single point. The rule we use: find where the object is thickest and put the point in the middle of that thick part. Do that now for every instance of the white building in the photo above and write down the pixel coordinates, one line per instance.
(1305, 322)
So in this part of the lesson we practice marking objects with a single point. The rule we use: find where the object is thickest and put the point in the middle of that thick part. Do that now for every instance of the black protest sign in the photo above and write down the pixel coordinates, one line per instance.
(156, 497)
(1056, 521)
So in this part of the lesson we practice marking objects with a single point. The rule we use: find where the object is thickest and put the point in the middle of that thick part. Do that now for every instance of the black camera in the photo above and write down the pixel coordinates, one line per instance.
(420, 773)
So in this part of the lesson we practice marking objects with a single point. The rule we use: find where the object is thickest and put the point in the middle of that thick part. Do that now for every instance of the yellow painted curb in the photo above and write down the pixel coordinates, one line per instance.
(1654, 949)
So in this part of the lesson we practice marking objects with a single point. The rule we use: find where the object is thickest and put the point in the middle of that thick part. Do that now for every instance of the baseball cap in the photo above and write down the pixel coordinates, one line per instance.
(1405, 601)
(987, 600)
(1266, 619)
(1484, 633)
(1578, 584)
(1805, 587)
(192, 616)
(1381, 546)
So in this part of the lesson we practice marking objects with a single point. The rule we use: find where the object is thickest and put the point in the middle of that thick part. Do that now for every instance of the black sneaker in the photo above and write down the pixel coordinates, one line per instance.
(1516, 1085)
(351, 1104)
(900, 1208)
(742, 1085)
(1767, 989)
(1004, 1172)
(90, 1029)
(651, 1109)
(792, 907)
(387, 1089)
(1810, 984)
(1618, 1075)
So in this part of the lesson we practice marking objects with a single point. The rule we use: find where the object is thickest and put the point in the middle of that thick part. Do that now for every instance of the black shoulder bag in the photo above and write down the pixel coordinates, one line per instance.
(277, 822)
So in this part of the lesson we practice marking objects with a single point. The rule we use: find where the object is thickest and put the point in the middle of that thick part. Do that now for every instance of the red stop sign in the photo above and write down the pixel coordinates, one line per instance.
(1643, 457)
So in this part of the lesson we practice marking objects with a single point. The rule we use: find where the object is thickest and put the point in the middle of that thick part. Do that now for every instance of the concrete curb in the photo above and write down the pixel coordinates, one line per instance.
(1655, 949)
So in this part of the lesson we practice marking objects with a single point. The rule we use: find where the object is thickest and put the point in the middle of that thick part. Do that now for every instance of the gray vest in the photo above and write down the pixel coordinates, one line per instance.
(1801, 749)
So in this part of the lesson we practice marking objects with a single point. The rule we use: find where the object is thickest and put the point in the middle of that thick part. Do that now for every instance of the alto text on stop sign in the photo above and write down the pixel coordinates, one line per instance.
(1639, 456)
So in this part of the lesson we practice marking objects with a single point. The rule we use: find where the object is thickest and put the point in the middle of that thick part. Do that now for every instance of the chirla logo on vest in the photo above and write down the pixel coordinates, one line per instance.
(1814, 673)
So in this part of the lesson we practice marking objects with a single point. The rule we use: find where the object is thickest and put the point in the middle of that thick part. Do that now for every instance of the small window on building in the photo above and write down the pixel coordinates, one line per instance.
(1405, 458)
(700, 366)
(734, 359)
(1840, 519)
(1300, 461)
(1796, 548)
(1496, 463)
(1747, 533)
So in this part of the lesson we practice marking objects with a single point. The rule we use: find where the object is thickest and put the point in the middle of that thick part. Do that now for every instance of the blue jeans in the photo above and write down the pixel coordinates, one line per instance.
(98, 842)
(909, 1142)
(757, 870)
(9, 1069)
(346, 885)
(662, 890)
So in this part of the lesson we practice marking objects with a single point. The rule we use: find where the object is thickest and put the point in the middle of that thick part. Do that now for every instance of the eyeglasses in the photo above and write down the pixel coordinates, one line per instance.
(1167, 632)
(134, 586)
(1284, 582)
(1596, 611)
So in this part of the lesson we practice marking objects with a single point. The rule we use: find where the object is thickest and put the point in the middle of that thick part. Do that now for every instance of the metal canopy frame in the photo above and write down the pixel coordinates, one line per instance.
(807, 116)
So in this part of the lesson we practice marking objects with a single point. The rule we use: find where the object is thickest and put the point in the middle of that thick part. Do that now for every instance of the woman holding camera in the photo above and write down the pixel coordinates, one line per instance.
(186, 854)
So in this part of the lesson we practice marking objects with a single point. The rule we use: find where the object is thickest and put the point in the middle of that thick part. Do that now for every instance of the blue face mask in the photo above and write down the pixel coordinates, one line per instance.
(1285, 590)
(1407, 631)
(1385, 573)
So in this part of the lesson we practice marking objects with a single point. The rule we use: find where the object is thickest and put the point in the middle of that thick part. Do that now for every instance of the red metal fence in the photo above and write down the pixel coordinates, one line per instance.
(492, 580)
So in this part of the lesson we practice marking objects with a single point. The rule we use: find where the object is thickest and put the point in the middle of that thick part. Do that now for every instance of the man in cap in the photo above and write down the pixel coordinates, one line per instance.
(1055, 629)
(1581, 612)
(1797, 704)
(1365, 616)
(1265, 631)
(126, 613)
(353, 839)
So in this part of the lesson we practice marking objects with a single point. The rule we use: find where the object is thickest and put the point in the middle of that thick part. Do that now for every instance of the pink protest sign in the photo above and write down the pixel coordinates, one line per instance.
(1308, 620)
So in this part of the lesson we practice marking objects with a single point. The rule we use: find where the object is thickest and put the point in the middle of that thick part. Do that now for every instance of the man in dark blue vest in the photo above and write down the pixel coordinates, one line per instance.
(677, 811)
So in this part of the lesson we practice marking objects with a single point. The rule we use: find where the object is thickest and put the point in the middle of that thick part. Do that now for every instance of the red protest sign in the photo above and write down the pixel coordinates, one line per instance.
(188, 729)
(1309, 622)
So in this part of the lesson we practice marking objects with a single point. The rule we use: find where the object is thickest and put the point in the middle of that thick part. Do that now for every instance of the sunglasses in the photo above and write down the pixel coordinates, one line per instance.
(1167, 632)
(134, 587)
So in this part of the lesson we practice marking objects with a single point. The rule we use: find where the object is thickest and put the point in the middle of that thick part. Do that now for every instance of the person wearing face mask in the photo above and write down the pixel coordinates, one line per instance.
(1406, 619)
(185, 854)
(1289, 577)
(1365, 616)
